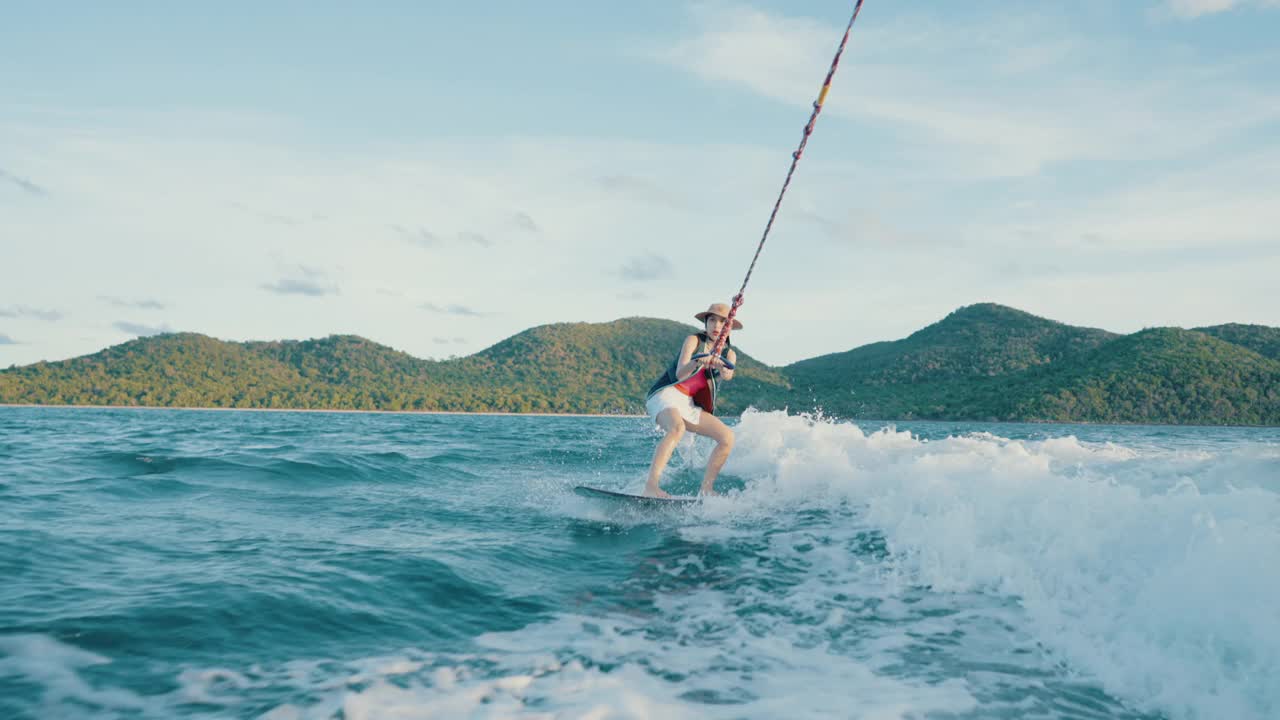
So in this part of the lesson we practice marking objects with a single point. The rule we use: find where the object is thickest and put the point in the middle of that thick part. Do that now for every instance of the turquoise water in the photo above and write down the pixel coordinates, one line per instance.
(192, 564)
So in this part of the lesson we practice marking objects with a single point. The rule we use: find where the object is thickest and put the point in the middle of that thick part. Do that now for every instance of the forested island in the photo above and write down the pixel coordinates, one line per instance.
(981, 362)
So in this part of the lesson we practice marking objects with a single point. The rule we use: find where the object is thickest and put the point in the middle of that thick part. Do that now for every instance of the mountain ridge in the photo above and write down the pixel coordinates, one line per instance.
(981, 362)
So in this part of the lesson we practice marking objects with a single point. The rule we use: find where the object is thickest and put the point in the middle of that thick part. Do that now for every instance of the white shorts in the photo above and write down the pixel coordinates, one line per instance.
(670, 397)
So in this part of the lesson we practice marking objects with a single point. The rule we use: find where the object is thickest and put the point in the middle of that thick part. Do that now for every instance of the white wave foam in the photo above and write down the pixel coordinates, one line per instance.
(567, 691)
(1163, 591)
(634, 675)
(56, 667)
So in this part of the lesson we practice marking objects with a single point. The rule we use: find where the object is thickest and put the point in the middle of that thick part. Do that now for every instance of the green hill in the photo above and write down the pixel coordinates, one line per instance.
(1180, 376)
(183, 369)
(995, 363)
(566, 367)
(943, 370)
(983, 362)
(978, 340)
(1259, 338)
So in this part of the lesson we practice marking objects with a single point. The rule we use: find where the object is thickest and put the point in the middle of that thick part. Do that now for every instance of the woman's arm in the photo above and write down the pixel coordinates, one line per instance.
(726, 373)
(686, 366)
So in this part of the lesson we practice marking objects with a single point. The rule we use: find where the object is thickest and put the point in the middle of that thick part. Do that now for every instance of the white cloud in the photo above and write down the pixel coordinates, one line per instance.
(785, 59)
(300, 286)
(1191, 9)
(144, 304)
(646, 268)
(932, 87)
(418, 236)
(22, 183)
(453, 309)
(303, 280)
(1229, 203)
(1196, 8)
(22, 311)
(139, 329)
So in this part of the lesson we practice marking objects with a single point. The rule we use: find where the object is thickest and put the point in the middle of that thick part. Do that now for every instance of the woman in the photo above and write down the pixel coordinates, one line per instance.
(684, 399)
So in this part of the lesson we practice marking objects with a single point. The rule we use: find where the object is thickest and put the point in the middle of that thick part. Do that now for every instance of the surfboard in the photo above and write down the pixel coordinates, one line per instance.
(598, 494)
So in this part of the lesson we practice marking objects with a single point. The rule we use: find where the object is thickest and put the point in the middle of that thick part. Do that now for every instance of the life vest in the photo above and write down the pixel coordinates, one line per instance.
(701, 385)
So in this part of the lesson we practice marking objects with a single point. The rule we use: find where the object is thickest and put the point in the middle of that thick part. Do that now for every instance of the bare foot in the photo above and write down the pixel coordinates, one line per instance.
(708, 492)
(656, 492)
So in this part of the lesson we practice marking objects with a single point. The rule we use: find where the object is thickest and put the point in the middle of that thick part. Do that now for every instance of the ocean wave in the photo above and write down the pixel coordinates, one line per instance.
(369, 566)
(1128, 569)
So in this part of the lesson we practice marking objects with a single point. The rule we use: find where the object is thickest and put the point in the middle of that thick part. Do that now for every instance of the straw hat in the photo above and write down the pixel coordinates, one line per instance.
(720, 309)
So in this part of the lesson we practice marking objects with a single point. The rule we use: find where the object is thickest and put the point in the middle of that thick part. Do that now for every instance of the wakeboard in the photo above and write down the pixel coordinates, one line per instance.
(598, 494)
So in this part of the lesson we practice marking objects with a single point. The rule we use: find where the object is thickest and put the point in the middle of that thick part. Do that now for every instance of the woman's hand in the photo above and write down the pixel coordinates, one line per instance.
(714, 362)
(729, 362)
(718, 366)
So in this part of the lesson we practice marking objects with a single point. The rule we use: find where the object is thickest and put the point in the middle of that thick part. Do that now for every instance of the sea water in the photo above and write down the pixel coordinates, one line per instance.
(205, 564)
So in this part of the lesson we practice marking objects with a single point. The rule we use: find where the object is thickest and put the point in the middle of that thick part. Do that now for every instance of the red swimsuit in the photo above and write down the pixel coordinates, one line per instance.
(693, 384)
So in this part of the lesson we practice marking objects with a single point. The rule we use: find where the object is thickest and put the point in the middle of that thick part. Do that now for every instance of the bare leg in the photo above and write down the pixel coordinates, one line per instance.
(714, 428)
(673, 425)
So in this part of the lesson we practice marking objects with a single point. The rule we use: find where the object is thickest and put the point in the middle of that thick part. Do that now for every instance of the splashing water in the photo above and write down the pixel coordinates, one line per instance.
(313, 565)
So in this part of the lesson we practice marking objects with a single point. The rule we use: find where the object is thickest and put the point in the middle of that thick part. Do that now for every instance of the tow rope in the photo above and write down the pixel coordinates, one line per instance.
(795, 160)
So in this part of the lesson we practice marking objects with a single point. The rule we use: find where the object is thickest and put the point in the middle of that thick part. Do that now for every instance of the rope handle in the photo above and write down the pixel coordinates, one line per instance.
(724, 360)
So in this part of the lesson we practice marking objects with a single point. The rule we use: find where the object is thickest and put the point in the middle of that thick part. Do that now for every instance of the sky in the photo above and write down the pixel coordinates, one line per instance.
(440, 176)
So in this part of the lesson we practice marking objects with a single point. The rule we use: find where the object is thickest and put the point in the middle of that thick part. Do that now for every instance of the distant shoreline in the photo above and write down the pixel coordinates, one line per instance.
(311, 410)
(866, 421)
